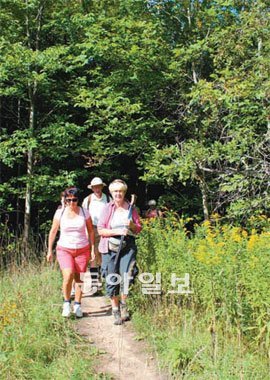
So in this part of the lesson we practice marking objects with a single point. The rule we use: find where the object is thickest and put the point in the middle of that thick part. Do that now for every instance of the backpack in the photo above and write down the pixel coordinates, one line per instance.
(64, 210)
(89, 200)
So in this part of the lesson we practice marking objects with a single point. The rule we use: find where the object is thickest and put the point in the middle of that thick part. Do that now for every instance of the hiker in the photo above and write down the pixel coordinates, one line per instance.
(94, 203)
(73, 247)
(113, 224)
(62, 200)
(153, 211)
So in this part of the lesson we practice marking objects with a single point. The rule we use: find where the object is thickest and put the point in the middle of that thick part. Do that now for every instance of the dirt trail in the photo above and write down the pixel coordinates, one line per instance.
(124, 357)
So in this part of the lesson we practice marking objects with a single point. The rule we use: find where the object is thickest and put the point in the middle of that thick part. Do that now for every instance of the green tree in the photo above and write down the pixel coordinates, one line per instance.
(221, 117)
(36, 61)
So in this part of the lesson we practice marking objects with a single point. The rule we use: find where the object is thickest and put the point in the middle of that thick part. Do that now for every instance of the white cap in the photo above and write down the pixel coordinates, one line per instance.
(152, 202)
(95, 182)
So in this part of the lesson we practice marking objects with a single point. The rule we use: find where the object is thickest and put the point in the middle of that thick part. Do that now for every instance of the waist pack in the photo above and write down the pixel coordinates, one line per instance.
(114, 243)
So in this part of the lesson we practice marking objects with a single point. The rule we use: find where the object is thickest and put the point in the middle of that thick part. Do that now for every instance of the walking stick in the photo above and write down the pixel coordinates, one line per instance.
(117, 256)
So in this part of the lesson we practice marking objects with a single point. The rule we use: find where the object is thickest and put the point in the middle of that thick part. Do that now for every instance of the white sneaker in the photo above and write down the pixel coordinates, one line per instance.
(66, 310)
(78, 310)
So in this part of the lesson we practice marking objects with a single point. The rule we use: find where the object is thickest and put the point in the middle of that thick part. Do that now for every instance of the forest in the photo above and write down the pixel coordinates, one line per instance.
(172, 96)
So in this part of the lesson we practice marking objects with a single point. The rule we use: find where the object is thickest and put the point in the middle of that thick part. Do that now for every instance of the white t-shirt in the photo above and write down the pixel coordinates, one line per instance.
(95, 207)
(119, 220)
(73, 232)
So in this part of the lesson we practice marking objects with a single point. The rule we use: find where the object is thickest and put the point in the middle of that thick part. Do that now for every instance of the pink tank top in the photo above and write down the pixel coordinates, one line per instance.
(73, 232)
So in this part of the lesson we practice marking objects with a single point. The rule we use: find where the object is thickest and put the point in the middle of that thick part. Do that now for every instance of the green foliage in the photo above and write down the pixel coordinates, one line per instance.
(167, 92)
(185, 350)
(221, 110)
(217, 327)
(35, 341)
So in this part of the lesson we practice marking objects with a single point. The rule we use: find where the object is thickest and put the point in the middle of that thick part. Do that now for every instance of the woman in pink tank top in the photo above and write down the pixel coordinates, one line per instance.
(73, 247)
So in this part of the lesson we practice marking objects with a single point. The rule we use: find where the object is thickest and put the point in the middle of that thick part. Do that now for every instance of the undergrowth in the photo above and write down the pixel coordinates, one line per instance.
(219, 329)
(36, 342)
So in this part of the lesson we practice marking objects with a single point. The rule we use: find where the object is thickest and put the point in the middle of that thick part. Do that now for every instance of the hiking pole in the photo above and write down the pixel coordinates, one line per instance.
(117, 256)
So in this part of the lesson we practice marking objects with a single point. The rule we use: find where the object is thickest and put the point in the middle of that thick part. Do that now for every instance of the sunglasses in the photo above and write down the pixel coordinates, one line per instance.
(68, 200)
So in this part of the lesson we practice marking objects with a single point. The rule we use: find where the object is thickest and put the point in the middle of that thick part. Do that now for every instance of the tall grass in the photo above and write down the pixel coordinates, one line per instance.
(35, 341)
(14, 251)
(222, 329)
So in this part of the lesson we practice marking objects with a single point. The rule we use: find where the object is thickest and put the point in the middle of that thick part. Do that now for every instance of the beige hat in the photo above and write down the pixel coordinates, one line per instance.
(95, 182)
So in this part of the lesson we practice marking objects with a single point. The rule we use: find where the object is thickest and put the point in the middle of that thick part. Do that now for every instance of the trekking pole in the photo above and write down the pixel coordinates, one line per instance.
(117, 256)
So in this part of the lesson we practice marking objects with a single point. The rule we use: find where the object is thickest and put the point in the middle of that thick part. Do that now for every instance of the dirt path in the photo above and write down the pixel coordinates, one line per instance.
(124, 357)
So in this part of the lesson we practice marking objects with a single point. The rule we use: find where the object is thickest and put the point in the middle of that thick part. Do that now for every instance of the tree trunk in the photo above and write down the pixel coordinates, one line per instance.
(27, 212)
(0, 129)
(194, 74)
(32, 90)
(19, 167)
(203, 189)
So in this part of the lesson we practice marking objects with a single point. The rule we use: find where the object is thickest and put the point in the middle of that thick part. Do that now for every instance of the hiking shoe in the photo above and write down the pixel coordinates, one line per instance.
(66, 309)
(77, 310)
(117, 318)
(124, 313)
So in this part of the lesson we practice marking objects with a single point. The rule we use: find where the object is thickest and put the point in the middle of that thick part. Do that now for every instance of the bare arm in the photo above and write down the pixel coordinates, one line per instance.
(160, 214)
(51, 239)
(91, 234)
(108, 232)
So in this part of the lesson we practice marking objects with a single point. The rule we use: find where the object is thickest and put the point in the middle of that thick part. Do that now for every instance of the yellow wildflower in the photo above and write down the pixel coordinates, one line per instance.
(215, 216)
(206, 223)
(244, 234)
(252, 242)
(236, 234)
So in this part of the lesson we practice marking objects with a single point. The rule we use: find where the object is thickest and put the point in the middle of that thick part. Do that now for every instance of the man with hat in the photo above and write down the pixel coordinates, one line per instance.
(94, 203)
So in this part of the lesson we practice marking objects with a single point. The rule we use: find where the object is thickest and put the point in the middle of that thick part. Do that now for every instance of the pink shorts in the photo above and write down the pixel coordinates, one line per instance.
(75, 259)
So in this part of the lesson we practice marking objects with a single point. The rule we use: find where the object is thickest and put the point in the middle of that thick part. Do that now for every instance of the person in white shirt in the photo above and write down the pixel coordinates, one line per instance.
(95, 203)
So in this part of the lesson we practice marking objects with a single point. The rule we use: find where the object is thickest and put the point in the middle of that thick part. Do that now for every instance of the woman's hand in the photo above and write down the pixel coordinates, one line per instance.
(123, 231)
(49, 256)
(93, 255)
(52, 235)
